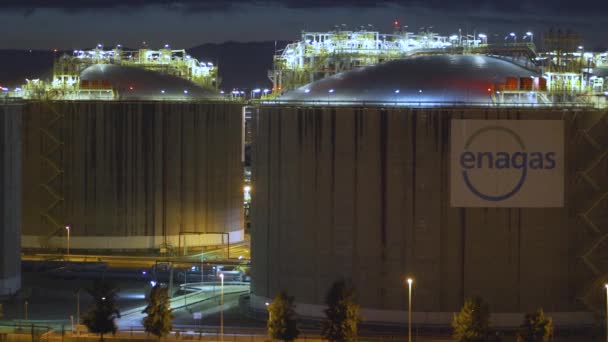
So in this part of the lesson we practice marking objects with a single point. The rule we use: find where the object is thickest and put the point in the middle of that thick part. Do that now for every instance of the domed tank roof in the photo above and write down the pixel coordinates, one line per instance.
(433, 80)
(135, 83)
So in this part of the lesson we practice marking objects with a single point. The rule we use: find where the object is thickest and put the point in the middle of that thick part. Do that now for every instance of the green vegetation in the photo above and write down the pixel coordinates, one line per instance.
(101, 316)
(473, 322)
(342, 314)
(535, 328)
(282, 318)
(158, 320)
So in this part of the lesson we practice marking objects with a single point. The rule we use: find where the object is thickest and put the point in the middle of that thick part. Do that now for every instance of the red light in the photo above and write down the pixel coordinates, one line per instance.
(396, 22)
(489, 90)
(130, 87)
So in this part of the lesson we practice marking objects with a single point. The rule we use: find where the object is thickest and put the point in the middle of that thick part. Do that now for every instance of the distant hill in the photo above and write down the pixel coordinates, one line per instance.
(17, 65)
(242, 65)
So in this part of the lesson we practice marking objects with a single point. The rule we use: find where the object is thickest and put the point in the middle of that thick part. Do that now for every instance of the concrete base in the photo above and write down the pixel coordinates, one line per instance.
(133, 242)
(8, 286)
(399, 317)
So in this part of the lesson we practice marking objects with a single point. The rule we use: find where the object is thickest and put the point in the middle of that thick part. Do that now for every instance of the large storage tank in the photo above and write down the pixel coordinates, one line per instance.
(132, 175)
(363, 192)
(10, 199)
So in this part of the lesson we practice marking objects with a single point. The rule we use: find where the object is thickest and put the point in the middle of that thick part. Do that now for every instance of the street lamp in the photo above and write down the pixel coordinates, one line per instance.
(531, 35)
(483, 38)
(409, 309)
(222, 307)
(512, 34)
(67, 228)
(606, 285)
(255, 91)
(269, 312)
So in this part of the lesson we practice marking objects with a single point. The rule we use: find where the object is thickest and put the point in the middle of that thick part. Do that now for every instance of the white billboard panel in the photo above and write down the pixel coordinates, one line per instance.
(507, 163)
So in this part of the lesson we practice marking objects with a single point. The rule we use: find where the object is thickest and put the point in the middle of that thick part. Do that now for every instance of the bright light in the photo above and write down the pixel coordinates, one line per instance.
(222, 276)
(330, 91)
(454, 37)
(192, 268)
(247, 188)
(67, 227)
(580, 47)
(103, 298)
(512, 34)
(153, 283)
(420, 91)
(257, 90)
(166, 46)
(266, 91)
(240, 257)
(483, 36)
(606, 285)
(307, 91)
(528, 33)
(144, 272)
(269, 303)
(185, 91)
(397, 91)
(410, 281)
(162, 91)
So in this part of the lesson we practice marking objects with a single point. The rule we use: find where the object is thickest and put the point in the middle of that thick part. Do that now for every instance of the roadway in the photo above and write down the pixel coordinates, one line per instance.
(206, 300)
(236, 254)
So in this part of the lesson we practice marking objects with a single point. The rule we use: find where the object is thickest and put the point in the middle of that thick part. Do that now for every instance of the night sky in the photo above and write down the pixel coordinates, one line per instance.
(71, 24)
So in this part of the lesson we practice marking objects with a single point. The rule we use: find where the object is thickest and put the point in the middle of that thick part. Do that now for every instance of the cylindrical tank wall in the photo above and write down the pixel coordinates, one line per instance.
(363, 194)
(10, 199)
(132, 175)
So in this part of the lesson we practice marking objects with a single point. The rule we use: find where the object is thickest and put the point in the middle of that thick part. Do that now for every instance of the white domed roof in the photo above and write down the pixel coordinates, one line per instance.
(435, 79)
(141, 84)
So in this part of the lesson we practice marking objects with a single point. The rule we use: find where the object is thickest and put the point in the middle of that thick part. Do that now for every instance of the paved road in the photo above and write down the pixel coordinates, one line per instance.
(206, 301)
(215, 255)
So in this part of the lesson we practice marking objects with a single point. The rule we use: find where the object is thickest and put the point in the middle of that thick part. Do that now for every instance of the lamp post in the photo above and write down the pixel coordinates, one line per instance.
(78, 307)
(67, 229)
(606, 285)
(531, 35)
(512, 34)
(222, 307)
(409, 309)
(269, 312)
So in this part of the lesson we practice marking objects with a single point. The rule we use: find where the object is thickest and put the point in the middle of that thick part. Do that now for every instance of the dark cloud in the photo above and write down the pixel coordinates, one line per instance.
(542, 7)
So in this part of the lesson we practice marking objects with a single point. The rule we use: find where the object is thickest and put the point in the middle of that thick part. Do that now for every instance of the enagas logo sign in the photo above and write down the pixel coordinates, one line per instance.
(507, 163)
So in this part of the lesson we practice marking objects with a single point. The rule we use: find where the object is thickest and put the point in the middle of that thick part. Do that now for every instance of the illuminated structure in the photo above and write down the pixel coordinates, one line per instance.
(10, 199)
(351, 178)
(321, 54)
(567, 72)
(69, 83)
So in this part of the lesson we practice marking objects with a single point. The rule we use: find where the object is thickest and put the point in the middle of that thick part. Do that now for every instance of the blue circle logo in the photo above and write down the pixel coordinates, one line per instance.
(522, 177)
